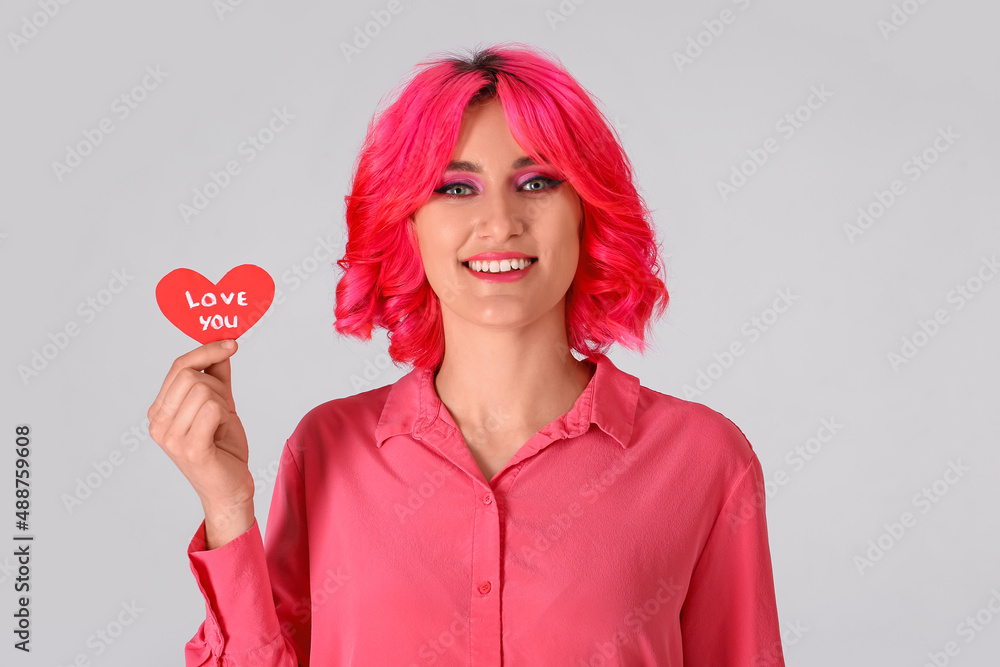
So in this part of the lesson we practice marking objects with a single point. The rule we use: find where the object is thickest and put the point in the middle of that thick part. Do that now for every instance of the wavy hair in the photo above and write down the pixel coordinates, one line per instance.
(616, 289)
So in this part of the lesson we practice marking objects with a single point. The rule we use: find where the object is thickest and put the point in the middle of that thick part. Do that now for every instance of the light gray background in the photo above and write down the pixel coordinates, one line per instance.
(684, 128)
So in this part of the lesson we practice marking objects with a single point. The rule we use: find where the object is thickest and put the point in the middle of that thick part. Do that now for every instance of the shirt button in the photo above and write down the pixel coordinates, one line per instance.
(488, 498)
(485, 587)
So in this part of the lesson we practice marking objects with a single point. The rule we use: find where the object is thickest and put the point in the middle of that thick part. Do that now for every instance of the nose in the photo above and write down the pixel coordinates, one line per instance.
(500, 217)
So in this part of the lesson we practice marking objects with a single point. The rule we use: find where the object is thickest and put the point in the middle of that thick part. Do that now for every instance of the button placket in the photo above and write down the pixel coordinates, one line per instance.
(484, 628)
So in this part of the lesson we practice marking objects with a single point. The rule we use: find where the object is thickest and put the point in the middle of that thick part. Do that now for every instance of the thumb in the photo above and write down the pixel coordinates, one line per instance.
(222, 371)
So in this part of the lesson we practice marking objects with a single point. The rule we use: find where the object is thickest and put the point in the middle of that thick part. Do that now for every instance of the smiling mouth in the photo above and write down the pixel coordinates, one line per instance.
(500, 266)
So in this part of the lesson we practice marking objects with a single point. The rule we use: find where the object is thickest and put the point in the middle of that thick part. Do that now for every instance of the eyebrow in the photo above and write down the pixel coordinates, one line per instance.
(476, 168)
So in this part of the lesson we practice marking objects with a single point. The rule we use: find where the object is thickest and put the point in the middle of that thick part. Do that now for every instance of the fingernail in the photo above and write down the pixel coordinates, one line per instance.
(228, 344)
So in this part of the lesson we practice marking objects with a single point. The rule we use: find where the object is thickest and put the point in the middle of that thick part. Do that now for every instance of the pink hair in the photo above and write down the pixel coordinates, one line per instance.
(616, 288)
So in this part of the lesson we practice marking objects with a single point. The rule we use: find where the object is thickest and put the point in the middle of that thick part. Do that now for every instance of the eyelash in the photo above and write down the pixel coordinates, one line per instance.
(552, 183)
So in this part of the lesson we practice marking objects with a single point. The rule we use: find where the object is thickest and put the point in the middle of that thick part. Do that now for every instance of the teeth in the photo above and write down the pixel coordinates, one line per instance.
(499, 266)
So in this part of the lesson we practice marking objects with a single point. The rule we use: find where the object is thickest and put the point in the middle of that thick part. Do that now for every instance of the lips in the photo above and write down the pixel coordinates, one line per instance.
(490, 256)
(500, 276)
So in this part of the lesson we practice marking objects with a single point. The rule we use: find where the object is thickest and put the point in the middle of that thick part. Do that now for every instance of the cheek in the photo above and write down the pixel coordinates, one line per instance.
(422, 231)
(572, 235)
(572, 258)
(435, 249)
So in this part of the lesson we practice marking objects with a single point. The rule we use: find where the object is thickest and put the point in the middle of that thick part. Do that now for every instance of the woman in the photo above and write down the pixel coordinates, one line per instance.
(504, 502)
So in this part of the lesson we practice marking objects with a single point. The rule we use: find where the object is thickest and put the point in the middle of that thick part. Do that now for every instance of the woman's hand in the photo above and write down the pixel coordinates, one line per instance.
(193, 419)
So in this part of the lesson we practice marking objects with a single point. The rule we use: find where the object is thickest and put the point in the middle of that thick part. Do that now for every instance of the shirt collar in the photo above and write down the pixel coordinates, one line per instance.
(609, 400)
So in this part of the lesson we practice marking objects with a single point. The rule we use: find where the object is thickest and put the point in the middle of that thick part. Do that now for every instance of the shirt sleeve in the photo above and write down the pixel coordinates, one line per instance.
(730, 617)
(257, 605)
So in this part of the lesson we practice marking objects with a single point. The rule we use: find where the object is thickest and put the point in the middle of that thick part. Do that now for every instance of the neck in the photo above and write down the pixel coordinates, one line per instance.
(509, 381)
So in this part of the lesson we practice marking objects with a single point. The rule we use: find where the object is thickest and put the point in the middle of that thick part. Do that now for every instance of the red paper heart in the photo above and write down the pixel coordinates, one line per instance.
(209, 312)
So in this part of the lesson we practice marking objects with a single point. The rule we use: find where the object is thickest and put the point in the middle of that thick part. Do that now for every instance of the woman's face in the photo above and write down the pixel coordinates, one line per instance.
(494, 198)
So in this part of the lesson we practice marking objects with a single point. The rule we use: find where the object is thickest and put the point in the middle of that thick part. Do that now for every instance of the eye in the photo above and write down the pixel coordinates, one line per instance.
(444, 190)
(545, 183)
(536, 184)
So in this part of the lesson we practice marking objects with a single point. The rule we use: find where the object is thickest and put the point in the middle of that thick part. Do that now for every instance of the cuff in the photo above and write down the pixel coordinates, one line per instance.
(233, 579)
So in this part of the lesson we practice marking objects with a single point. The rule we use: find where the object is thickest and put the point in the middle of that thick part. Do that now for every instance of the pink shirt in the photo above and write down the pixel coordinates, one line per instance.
(629, 531)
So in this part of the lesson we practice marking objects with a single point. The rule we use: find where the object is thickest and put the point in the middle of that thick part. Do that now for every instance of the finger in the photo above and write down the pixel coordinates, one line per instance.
(184, 381)
(198, 359)
(222, 371)
(210, 418)
(191, 410)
